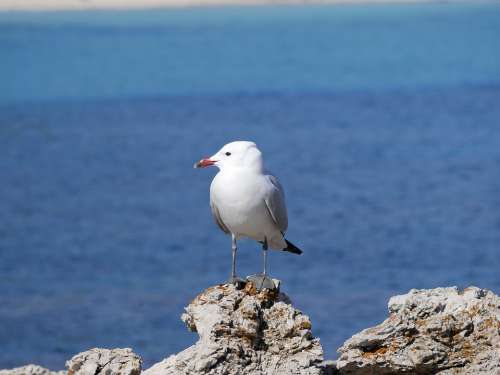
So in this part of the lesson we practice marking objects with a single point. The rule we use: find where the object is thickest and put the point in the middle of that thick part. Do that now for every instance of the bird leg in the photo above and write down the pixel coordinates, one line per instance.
(262, 281)
(234, 248)
(234, 279)
(264, 252)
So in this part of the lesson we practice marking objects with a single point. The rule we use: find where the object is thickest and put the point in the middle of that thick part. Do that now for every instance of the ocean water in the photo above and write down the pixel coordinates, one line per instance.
(382, 123)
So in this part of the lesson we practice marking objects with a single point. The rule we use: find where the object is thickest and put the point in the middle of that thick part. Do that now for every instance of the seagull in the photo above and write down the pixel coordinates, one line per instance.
(248, 201)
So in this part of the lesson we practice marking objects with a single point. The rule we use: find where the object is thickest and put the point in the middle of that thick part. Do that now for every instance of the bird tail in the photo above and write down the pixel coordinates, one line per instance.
(290, 247)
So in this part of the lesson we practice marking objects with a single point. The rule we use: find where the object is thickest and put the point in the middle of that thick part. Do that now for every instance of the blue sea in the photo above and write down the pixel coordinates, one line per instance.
(382, 123)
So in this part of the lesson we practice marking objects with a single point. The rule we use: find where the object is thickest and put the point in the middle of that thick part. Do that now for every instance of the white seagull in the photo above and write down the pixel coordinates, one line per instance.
(248, 201)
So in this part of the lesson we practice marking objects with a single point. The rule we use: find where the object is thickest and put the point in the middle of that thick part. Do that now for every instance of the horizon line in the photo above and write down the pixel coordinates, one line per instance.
(89, 5)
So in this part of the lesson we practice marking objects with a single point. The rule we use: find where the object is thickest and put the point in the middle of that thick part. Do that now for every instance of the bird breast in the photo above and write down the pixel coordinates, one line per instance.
(239, 197)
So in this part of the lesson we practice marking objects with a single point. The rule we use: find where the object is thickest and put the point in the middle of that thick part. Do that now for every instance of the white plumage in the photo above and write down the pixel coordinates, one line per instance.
(246, 200)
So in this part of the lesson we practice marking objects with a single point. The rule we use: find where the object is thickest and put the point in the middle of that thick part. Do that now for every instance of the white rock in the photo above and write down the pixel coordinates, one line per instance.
(440, 331)
(432, 331)
(31, 370)
(105, 362)
(245, 332)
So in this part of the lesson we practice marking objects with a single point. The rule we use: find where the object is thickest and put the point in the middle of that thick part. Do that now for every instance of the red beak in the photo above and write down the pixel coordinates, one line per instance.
(203, 163)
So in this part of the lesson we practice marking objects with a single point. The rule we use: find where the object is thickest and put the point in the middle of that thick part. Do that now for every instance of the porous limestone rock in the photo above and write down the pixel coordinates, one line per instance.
(438, 331)
(244, 331)
(31, 370)
(105, 362)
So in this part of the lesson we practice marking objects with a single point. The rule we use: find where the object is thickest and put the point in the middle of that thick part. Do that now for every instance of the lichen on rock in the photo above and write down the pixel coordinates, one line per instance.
(105, 362)
(245, 331)
(440, 330)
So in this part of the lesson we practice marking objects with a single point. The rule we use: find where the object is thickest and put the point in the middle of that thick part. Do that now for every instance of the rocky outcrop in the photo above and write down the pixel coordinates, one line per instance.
(105, 362)
(31, 370)
(439, 331)
(244, 331)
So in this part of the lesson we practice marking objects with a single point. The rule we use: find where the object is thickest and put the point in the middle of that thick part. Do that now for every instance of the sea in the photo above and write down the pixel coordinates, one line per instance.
(382, 123)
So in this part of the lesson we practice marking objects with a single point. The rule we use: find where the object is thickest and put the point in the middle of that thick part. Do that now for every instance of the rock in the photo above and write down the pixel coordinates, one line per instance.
(329, 367)
(244, 331)
(438, 331)
(31, 370)
(105, 362)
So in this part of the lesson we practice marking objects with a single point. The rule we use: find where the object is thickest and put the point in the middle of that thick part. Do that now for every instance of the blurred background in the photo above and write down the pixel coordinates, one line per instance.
(381, 121)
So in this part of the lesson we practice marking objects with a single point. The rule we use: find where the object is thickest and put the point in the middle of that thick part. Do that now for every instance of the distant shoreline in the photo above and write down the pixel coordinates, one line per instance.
(54, 5)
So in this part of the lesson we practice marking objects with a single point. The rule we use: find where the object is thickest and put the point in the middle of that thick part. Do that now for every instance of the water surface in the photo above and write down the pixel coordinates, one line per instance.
(380, 121)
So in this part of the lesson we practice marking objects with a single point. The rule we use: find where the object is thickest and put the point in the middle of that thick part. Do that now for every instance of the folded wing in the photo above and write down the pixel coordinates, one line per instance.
(217, 218)
(275, 202)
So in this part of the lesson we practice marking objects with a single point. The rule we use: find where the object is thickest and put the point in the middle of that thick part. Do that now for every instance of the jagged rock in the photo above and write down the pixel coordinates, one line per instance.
(329, 367)
(438, 331)
(31, 370)
(105, 362)
(243, 331)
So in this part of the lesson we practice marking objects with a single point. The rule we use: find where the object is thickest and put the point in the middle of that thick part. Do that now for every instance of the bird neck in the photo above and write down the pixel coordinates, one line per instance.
(254, 169)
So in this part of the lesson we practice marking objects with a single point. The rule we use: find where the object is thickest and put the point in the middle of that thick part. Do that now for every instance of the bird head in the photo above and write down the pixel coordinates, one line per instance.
(238, 154)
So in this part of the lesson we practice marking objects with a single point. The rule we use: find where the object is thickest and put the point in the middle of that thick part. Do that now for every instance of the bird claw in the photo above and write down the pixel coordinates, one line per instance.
(262, 282)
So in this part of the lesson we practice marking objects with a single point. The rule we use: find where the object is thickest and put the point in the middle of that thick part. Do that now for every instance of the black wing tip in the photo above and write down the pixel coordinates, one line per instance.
(291, 248)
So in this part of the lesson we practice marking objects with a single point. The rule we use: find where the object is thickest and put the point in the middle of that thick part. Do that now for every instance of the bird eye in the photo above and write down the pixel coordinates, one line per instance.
(228, 154)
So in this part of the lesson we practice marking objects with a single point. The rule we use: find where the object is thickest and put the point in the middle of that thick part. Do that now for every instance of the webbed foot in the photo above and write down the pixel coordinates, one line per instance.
(262, 282)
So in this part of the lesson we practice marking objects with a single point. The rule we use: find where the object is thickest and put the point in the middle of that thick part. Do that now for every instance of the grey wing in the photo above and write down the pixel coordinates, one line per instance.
(217, 218)
(275, 202)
